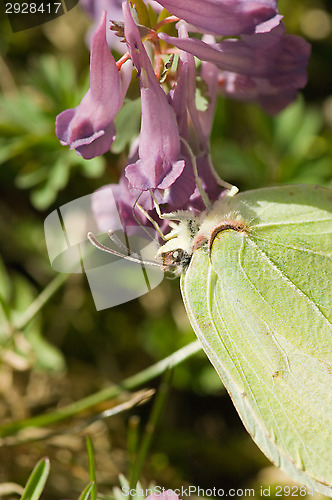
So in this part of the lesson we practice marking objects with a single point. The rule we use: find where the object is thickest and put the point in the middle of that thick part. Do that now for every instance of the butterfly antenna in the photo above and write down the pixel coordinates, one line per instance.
(116, 240)
(136, 258)
(204, 196)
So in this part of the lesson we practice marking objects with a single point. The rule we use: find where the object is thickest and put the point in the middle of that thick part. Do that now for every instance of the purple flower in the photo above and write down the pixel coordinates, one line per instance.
(275, 63)
(197, 132)
(113, 8)
(223, 17)
(158, 165)
(103, 201)
(112, 207)
(182, 95)
(89, 128)
(210, 182)
(244, 88)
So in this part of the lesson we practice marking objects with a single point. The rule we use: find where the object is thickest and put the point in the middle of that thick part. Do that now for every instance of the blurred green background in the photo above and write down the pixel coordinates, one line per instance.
(70, 350)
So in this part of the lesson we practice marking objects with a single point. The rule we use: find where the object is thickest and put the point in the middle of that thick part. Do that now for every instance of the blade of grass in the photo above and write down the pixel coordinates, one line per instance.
(40, 301)
(154, 418)
(5, 307)
(128, 384)
(6, 324)
(92, 468)
(37, 480)
(137, 398)
(86, 492)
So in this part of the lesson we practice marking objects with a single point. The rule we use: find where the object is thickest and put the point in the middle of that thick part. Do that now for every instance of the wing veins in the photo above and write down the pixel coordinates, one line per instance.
(306, 250)
(286, 411)
(286, 278)
(264, 387)
(290, 223)
(237, 365)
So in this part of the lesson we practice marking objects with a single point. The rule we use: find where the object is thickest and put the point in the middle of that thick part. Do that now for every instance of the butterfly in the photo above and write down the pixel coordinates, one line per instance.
(256, 281)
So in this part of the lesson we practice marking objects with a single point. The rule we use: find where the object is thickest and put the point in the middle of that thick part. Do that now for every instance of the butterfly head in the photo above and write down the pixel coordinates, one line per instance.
(197, 232)
(176, 253)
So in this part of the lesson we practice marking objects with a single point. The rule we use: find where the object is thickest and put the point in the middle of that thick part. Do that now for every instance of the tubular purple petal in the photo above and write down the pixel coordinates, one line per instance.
(103, 206)
(273, 62)
(159, 145)
(223, 17)
(182, 95)
(113, 8)
(89, 128)
(243, 88)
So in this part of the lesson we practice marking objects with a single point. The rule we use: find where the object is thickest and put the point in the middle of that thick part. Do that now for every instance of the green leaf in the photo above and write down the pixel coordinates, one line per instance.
(24, 293)
(37, 480)
(201, 97)
(296, 128)
(43, 197)
(127, 123)
(142, 12)
(47, 356)
(5, 288)
(86, 492)
(36, 349)
(92, 168)
(260, 301)
(92, 468)
(55, 78)
(26, 180)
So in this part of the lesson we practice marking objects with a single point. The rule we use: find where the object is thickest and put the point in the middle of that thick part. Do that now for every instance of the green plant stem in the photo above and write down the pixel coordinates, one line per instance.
(92, 468)
(7, 326)
(128, 384)
(40, 301)
(155, 415)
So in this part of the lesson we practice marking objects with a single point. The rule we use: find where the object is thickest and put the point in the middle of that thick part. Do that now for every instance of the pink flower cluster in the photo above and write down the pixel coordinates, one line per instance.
(245, 54)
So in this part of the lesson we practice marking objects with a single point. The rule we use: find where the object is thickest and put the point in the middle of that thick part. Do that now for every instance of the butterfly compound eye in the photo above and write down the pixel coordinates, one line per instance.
(175, 260)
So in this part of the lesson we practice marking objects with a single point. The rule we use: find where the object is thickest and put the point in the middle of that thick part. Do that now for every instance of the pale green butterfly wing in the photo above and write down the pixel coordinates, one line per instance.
(262, 308)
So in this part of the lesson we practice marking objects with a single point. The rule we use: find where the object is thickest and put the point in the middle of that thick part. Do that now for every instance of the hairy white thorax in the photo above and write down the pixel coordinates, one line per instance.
(193, 232)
